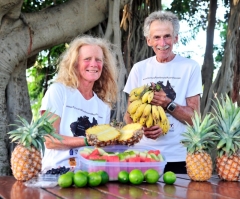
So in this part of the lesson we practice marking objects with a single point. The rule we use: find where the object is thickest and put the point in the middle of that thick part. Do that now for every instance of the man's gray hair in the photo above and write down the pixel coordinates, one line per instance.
(161, 16)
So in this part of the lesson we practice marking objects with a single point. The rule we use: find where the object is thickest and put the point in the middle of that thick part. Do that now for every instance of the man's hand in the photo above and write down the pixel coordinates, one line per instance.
(160, 99)
(152, 132)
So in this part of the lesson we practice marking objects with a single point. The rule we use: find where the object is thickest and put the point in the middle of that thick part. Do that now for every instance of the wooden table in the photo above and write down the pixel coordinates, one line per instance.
(182, 188)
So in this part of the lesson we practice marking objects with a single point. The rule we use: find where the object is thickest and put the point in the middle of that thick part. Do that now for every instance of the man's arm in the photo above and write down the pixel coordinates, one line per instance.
(185, 113)
(181, 113)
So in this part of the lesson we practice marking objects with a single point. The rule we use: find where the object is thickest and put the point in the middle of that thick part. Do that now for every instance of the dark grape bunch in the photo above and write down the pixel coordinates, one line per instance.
(57, 171)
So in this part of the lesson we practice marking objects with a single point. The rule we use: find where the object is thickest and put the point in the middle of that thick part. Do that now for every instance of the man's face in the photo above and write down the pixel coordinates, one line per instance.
(161, 39)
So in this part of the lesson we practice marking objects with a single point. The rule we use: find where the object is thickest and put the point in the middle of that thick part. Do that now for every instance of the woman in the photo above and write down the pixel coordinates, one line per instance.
(81, 96)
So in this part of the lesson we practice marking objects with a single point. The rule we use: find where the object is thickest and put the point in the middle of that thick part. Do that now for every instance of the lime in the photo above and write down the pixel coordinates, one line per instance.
(151, 176)
(71, 173)
(169, 177)
(65, 180)
(136, 176)
(123, 176)
(80, 171)
(94, 179)
(80, 179)
(104, 176)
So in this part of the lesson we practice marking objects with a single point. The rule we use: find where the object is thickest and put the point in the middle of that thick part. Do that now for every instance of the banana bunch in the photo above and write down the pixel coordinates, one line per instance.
(141, 111)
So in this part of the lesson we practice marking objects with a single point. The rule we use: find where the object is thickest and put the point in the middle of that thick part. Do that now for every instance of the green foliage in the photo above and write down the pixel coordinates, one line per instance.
(41, 75)
(36, 5)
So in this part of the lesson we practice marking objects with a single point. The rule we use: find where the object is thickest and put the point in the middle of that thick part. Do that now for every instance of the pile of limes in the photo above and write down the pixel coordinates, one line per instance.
(136, 176)
(83, 178)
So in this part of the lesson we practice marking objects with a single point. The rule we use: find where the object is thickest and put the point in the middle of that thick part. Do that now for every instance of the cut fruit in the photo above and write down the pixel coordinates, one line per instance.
(130, 134)
(102, 135)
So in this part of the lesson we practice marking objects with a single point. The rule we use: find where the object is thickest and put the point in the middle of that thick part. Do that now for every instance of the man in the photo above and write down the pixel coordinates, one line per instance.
(180, 79)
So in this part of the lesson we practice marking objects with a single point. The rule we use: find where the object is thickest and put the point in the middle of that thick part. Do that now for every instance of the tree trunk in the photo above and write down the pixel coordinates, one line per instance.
(224, 81)
(23, 35)
(208, 64)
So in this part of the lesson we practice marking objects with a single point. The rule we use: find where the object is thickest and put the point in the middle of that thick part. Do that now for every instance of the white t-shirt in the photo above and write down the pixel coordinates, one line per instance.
(180, 79)
(77, 114)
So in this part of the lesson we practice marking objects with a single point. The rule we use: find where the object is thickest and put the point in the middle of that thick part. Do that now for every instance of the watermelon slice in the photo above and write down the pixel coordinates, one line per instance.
(85, 154)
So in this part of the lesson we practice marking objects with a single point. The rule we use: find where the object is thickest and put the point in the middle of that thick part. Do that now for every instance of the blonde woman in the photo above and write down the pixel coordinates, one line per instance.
(81, 96)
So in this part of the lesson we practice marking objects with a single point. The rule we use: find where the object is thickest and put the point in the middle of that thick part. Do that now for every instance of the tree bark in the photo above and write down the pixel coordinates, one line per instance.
(208, 64)
(23, 35)
(224, 81)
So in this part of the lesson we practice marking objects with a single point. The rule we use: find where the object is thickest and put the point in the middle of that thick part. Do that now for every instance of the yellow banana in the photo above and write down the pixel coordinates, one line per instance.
(143, 120)
(132, 108)
(147, 110)
(161, 113)
(134, 97)
(137, 91)
(165, 126)
(145, 96)
(133, 91)
(150, 97)
(139, 111)
(134, 118)
(155, 114)
(149, 121)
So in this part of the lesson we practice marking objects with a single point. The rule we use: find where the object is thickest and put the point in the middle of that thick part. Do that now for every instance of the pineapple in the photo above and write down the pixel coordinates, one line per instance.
(199, 138)
(130, 134)
(105, 134)
(102, 135)
(26, 156)
(227, 118)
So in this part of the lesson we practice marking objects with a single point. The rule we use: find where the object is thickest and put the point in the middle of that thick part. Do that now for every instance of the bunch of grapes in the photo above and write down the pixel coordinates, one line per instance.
(58, 171)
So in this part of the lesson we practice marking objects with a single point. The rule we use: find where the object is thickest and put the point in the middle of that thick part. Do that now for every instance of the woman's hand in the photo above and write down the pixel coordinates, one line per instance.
(152, 132)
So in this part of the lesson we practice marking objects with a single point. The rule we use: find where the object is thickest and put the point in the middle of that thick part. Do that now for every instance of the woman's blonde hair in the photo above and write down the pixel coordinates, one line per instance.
(106, 86)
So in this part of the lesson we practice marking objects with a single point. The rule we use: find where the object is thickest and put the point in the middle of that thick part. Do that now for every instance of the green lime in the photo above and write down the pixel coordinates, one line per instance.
(104, 176)
(71, 173)
(80, 179)
(136, 176)
(65, 180)
(151, 176)
(80, 171)
(169, 177)
(123, 177)
(94, 179)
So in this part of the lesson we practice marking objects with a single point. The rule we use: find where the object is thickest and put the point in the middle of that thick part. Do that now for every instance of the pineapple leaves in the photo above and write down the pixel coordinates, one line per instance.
(227, 119)
(199, 137)
(33, 134)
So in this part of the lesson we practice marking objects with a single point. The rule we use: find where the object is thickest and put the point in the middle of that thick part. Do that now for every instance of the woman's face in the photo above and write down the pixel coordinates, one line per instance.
(90, 63)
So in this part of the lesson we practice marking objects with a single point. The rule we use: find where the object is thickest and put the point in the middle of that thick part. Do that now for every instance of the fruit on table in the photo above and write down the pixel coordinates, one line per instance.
(94, 179)
(26, 157)
(104, 176)
(129, 155)
(80, 179)
(57, 171)
(130, 134)
(227, 117)
(104, 134)
(65, 180)
(169, 177)
(143, 112)
(136, 176)
(198, 140)
(151, 176)
(123, 176)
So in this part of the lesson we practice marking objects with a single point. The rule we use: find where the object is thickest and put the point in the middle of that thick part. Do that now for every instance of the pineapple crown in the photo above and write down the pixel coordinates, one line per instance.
(227, 118)
(199, 137)
(33, 134)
